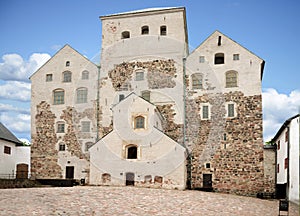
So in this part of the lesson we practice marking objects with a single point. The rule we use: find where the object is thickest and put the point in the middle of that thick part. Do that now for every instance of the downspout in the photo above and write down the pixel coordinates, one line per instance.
(98, 101)
(288, 165)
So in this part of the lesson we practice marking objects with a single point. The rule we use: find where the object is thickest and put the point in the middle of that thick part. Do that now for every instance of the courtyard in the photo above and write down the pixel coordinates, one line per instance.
(88, 200)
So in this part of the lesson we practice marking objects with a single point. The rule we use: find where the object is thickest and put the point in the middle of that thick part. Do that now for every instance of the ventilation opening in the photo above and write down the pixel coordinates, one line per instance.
(219, 41)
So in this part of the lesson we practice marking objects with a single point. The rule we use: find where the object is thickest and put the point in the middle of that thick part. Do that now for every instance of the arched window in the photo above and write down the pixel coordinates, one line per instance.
(197, 81)
(131, 152)
(163, 30)
(231, 79)
(145, 30)
(62, 147)
(67, 76)
(219, 58)
(125, 34)
(85, 75)
(58, 96)
(67, 63)
(139, 122)
(81, 95)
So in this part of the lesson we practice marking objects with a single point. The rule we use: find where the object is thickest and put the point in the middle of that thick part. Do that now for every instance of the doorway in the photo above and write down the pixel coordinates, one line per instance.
(207, 181)
(69, 172)
(129, 179)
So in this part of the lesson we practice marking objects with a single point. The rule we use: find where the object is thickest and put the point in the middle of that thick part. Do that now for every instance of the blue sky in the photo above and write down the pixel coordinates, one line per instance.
(33, 30)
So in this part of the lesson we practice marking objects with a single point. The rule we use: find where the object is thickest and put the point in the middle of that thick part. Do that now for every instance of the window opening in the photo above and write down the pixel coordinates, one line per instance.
(62, 147)
(121, 97)
(230, 110)
(132, 152)
(139, 122)
(67, 63)
(205, 112)
(85, 75)
(163, 30)
(219, 40)
(139, 76)
(85, 126)
(236, 57)
(49, 77)
(125, 34)
(58, 97)
(81, 95)
(145, 30)
(231, 79)
(197, 81)
(219, 58)
(146, 95)
(60, 127)
(201, 59)
(7, 150)
(67, 76)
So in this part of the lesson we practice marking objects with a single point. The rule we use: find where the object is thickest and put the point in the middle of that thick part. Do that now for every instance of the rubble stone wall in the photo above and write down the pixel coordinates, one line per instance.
(230, 149)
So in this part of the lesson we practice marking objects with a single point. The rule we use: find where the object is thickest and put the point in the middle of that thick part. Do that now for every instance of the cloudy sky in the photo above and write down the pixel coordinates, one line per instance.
(32, 31)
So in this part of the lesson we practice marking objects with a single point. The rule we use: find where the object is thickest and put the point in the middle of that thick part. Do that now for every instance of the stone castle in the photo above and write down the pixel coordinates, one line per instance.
(153, 113)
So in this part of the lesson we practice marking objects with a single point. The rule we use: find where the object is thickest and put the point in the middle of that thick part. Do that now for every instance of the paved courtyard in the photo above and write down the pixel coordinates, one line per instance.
(130, 201)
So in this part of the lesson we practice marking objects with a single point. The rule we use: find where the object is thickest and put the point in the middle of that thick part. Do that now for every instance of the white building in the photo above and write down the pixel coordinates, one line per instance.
(14, 157)
(288, 143)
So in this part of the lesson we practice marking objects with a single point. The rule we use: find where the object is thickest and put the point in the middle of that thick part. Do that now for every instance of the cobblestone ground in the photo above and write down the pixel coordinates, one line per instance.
(131, 201)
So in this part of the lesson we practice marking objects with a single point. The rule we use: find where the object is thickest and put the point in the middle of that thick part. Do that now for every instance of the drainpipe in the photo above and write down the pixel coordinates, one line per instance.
(288, 165)
(97, 106)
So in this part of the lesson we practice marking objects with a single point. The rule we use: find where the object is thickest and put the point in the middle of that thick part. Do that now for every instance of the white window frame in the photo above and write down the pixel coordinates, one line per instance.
(234, 109)
(85, 126)
(209, 111)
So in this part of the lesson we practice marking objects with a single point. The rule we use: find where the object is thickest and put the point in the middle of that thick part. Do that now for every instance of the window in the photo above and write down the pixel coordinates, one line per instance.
(85, 75)
(88, 145)
(201, 59)
(49, 77)
(278, 168)
(205, 112)
(286, 163)
(139, 76)
(139, 122)
(219, 58)
(58, 96)
(7, 150)
(81, 95)
(197, 81)
(67, 63)
(124, 87)
(207, 165)
(121, 97)
(145, 30)
(163, 30)
(231, 79)
(278, 145)
(60, 127)
(286, 136)
(125, 34)
(230, 112)
(62, 147)
(131, 152)
(236, 57)
(146, 95)
(67, 76)
(219, 40)
(85, 126)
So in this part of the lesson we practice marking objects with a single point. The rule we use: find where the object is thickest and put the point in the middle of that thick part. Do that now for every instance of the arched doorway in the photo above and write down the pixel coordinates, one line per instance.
(129, 179)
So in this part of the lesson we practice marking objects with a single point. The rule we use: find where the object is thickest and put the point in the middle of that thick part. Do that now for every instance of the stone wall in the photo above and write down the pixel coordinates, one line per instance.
(44, 155)
(230, 149)
(159, 74)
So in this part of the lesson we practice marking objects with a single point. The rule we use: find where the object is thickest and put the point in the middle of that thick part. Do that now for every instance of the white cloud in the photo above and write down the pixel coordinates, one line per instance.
(14, 67)
(15, 90)
(4, 108)
(277, 108)
(19, 123)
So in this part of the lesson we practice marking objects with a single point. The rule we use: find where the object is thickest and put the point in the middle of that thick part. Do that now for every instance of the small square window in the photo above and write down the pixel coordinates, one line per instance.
(85, 126)
(121, 97)
(207, 165)
(60, 127)
(7, 150)
(201, 59)
(139, 76)
(49, 77)
(62, 147)
(236, 57)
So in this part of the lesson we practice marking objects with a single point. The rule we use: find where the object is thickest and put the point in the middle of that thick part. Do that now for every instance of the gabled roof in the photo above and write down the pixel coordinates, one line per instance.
(64, 47)
(285, 124)
(5, 134)
(220, 33)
